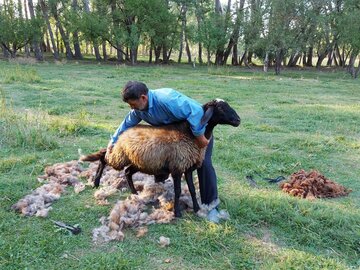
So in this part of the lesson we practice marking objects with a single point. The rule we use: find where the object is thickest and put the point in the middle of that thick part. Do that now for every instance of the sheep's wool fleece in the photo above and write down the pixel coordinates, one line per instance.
(143, 145)
(60, 175)
(153, 204)
(313, 185)
(57, 177)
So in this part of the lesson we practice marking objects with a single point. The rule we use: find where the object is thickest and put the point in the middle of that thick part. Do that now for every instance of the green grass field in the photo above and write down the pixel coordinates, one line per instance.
(299, 120)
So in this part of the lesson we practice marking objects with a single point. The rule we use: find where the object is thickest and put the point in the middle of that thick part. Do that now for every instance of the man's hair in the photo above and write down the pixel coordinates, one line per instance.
(133, 90)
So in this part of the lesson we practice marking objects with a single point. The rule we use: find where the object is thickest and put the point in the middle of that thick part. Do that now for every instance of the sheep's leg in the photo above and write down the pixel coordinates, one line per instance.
(190, 183)
(129, 171)
(177, 191)
(99, 172)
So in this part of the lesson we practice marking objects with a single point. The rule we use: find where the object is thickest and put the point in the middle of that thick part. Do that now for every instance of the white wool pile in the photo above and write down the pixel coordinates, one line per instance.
(63, 173)
(39, 201)
(153, 204)
(60, 175)
(55, 179)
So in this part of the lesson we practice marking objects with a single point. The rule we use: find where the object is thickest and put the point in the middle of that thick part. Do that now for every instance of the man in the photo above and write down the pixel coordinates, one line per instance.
(166, 106)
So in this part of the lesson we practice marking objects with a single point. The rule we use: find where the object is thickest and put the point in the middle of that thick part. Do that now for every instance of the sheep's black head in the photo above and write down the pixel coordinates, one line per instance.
(219, 111)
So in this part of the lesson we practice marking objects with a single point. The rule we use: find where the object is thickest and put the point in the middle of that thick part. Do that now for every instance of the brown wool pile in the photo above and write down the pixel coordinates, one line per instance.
(313, 185)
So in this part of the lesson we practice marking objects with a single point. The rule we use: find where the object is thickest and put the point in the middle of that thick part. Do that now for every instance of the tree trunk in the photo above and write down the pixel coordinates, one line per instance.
(64, 36)
(57, 37)
(6, 53)
(357, 71)
(47, 21)
(330, 58)
(75, 34)
(133, 55)
(278, 59)
(150, 52)
(220, 52)
(27, 49)
(35, 41)
(294, 58)
(249, 58)
(304, 59)
(235, 34)
(188, 51)
(77, 50)
(157, 51)
(243, 58)
(119, 54)
(310, 57)
(351, 67)
(234, 60)
(321, 58)
(218, 8)
(104, 50)
(200, 53)
(48, 47)
(208, 57)
(165, 54)
(182, 32)
(266, 62)
(97, 51)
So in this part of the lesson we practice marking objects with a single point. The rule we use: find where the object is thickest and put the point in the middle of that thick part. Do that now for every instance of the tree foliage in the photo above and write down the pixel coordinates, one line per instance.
(272, 32)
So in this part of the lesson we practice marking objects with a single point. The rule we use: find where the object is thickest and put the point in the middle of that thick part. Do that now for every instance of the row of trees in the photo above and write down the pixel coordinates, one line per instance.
(272, 32)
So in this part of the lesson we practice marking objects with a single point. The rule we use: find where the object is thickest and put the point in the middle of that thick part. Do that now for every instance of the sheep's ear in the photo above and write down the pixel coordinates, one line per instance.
(207, 115)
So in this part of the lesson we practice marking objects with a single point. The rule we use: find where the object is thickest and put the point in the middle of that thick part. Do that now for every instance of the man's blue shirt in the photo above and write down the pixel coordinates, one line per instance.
(166, 106)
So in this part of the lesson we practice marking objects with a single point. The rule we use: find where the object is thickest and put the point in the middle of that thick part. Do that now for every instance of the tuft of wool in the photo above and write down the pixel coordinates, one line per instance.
(141, 231)
(160, 216)
(104, 192)
(164, 241)
(103, 234)
(43, 212)
(79, 187)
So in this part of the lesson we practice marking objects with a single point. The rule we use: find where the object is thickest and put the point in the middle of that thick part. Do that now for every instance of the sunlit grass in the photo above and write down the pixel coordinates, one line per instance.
(18, 73)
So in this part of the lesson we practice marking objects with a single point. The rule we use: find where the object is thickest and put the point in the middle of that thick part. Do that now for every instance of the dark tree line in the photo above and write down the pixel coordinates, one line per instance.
(271, 33)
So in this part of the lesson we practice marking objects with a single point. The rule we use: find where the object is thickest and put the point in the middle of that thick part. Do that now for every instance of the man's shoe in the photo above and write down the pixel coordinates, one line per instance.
(213, 216)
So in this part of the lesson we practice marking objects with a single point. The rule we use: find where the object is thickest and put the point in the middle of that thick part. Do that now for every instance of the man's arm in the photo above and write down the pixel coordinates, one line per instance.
(131, 119)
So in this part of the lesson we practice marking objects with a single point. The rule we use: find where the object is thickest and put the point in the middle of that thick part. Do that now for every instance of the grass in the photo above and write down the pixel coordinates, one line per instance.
(301, 119)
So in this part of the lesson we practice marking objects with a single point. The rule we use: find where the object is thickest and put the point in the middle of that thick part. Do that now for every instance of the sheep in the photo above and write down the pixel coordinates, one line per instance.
(164, 150)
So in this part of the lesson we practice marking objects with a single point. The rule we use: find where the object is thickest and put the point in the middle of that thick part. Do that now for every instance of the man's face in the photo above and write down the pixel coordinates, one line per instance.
(139, 104)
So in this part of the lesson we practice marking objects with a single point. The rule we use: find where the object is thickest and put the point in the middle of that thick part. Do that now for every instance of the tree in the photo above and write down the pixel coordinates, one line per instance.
(15, 31)
(44, 9)
(349, 31)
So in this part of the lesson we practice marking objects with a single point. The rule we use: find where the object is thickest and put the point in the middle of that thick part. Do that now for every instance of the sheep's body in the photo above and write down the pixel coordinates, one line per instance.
(155, 150)
(164, 150)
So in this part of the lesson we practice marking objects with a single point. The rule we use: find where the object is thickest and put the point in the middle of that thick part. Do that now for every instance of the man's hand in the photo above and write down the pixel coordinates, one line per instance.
(201, 141)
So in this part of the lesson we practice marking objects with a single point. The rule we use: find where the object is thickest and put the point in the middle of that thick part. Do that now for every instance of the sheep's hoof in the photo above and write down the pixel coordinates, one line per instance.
(178, 214)
(196, 209)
